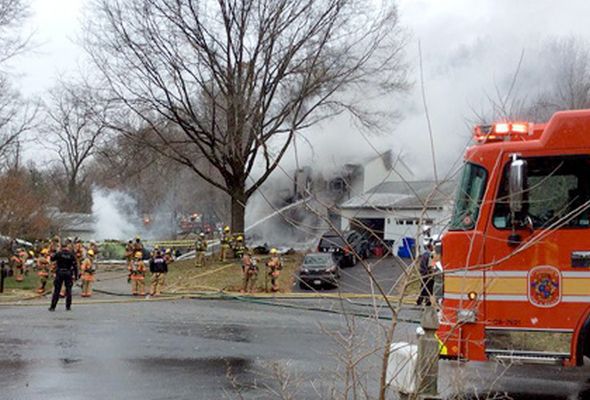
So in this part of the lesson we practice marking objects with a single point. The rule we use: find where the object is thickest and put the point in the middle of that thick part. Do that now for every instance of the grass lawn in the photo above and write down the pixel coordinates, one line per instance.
(30, 283)
(26, 288)
(183, 276)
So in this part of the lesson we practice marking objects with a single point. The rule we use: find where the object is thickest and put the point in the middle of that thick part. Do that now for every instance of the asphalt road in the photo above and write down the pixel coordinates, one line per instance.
(229, 349)
(356, 279)
(205, 349)
(166, 350)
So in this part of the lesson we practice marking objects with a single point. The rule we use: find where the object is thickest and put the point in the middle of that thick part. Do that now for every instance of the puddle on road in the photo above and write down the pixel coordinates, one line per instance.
(207, 366)
(226, 332)
(232, 373)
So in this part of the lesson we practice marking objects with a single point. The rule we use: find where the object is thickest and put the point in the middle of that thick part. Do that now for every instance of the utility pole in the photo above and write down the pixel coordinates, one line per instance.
(428, 350)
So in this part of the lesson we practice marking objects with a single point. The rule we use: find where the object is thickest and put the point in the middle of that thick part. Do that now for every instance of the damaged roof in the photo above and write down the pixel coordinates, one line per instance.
(78, 222)
(404, 195)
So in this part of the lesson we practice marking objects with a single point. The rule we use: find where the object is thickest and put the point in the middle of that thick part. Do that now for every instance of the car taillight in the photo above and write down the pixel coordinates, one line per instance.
(347, 250)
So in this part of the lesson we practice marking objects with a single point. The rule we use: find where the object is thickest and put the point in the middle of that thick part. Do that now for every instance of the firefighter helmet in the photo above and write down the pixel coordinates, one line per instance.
(31, 253)
(202, 234)
(240, 238)
(91, 253)
(44, 251)
(273, 251)
(226, 229)
(138, 254)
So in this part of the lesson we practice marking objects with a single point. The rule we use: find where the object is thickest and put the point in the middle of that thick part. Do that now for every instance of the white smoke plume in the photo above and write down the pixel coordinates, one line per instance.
(114, 214)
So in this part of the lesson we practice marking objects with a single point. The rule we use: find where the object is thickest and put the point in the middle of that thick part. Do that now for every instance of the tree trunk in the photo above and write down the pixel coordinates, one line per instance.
(238, 209)
(71, 202)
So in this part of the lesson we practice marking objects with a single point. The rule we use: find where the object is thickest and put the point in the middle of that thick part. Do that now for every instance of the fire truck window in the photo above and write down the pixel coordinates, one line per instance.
(558, 188)
(469, 196)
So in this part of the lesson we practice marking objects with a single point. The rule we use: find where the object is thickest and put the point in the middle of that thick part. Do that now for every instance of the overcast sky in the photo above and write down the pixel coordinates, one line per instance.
(468, 46)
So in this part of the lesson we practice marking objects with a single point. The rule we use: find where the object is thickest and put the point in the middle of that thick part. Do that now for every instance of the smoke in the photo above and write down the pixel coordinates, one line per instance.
(115, 215)
(469, 52)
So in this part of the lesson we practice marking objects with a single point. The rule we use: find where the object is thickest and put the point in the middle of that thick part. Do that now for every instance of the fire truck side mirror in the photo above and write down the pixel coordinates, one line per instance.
(517, 184)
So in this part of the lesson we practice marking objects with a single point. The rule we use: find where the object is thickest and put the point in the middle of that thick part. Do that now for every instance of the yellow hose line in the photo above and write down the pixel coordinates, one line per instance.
(212, 271)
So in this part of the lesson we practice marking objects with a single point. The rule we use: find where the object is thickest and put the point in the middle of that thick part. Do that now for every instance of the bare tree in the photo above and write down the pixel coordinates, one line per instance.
(235, 80)
(569, 78)
(16, 116)
(563, 66)
(75, 128)
(12, 15)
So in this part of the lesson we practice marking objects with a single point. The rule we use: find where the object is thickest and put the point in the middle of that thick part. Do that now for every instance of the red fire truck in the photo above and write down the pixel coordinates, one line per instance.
(516, 257)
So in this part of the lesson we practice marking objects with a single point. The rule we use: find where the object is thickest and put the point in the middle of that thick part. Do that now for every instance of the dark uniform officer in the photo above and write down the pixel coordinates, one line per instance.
(66, 271)
(159, 269)
(426, 276)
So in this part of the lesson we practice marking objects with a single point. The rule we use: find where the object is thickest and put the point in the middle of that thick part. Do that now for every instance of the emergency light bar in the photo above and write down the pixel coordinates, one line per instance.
(500, 131)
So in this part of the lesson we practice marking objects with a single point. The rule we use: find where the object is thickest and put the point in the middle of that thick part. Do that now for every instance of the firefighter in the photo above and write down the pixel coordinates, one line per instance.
(426, 279)
(26, 256)
(43, 269)
(274, 267)
(54, 246)
(137, 275)
(159, 269)
(78, 250)
(239, 247)
(200, 248)
(66, 271)
(249, 272)
(87, 271)
(129, 252)
(137, 246)
(225, 244)
(18, 264)
(94, 247)
(168, 256)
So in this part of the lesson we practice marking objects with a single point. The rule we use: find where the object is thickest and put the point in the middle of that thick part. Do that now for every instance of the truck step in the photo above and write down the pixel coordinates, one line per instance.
(528, 357)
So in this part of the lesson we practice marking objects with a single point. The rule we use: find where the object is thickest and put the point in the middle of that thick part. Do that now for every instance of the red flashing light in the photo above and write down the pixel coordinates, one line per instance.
(500, 131)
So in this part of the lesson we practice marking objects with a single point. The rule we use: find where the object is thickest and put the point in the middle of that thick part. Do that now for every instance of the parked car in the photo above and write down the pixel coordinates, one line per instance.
(319, 269)
(343, 246)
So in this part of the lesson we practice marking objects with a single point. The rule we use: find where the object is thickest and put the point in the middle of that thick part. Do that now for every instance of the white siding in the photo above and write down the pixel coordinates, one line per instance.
(398, 224)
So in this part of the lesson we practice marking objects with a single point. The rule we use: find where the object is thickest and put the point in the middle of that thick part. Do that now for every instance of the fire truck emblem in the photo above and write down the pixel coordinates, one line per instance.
(544, 286)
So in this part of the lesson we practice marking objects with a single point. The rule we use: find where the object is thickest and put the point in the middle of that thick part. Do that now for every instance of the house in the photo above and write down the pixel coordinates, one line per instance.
(358, 178)
(395, 209)
(74, 224)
